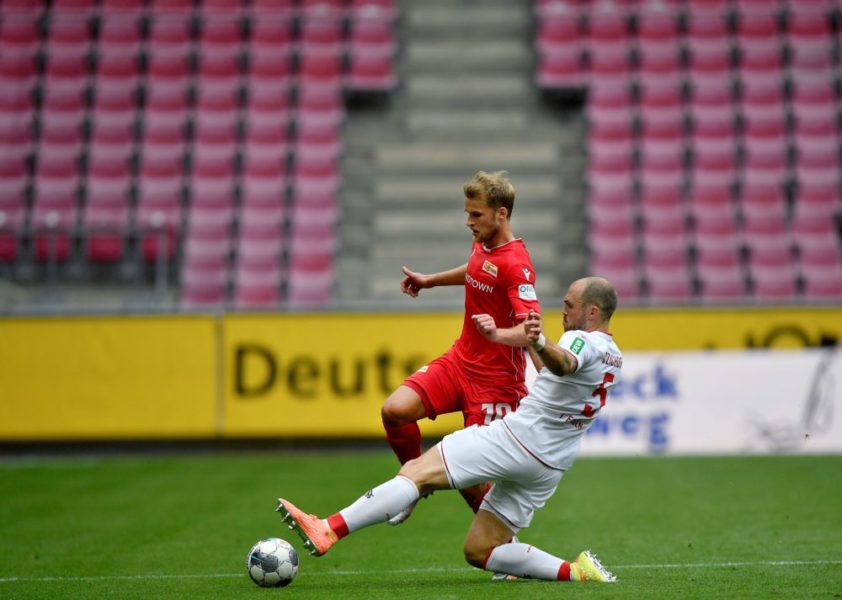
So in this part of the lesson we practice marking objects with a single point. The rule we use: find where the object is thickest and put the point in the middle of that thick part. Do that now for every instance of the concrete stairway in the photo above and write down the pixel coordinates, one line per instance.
(467, 102)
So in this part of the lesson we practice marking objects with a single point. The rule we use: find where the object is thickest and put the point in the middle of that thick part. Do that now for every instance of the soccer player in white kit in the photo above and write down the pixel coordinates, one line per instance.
(524, 454)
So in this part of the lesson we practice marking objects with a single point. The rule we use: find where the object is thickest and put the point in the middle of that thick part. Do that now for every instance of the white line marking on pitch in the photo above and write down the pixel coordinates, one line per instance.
(719, 565)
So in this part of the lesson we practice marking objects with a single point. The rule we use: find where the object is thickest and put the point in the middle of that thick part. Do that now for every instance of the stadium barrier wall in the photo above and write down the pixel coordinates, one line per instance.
(723, 402)
(326, 375)
(107, 377)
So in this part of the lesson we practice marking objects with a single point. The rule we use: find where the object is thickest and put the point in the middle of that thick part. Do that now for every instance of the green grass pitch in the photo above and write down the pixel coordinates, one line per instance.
(180, 527)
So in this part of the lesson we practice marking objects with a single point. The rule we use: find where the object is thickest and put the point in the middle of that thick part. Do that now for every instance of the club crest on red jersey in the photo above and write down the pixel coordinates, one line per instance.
(490, 268)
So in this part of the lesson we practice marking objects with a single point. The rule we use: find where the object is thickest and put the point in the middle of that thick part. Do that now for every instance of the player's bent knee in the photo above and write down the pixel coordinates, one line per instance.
(476, 554)
(426, 472)
(390, 414)
(399, 408)
(415, 472)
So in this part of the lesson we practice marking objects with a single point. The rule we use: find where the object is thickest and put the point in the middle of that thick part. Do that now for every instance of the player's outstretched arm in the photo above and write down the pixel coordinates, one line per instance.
(512, 336)
(558, 361)
(413, 282)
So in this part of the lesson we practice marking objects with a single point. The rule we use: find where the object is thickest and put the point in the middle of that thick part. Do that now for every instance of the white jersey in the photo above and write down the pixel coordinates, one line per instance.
(552, 418)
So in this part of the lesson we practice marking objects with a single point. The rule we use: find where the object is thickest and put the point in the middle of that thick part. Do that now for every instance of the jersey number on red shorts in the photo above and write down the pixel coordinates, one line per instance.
(602, 392)
(495, 411)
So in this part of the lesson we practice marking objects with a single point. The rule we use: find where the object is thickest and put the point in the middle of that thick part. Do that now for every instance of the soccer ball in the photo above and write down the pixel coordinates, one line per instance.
(272, 562)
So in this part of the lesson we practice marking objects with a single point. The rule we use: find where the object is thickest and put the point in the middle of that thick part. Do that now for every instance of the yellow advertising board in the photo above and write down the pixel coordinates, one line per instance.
(326, 374)
(107, 378)
(691, 329)
(289, 375)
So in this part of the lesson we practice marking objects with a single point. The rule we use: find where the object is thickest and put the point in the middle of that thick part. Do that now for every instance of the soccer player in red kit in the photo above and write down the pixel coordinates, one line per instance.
(481, 379)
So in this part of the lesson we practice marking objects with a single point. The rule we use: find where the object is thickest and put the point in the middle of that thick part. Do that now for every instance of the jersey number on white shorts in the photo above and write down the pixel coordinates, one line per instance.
(495, 411)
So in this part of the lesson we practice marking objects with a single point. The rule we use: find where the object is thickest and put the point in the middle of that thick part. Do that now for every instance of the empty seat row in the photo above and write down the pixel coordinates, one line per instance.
(713, 143)
(578, 44)
(206, 135)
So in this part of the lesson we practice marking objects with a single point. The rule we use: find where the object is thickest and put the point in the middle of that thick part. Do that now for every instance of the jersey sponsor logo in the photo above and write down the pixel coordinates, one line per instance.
(478, 285)
(490, 268)
(527, 273)
(577, 345)
(526, 291)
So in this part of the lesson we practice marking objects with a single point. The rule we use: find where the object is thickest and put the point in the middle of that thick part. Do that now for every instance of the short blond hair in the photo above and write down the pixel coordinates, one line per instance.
(494, 188)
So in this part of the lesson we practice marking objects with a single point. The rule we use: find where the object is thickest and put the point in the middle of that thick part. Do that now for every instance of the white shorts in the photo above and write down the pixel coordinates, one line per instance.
(522, 483)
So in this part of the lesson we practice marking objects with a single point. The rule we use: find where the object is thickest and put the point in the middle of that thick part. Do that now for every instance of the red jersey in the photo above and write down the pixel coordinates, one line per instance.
(500, 282)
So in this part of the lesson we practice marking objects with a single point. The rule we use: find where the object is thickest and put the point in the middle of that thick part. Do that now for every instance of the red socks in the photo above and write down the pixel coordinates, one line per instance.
(337, 523)
(564, 571)
(405, 440)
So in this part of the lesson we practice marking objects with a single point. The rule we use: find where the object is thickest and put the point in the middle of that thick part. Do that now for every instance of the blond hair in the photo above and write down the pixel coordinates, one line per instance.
(494, 188)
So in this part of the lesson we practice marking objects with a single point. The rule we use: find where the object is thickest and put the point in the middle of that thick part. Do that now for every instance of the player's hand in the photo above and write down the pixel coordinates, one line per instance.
(532, 326)
(413, 282)
(485, 325)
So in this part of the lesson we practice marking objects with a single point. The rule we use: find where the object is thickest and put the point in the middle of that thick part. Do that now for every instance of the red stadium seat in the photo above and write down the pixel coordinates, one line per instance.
(718, 285)
(68, 35)
(119, 33)
(257, 287)
(269, 141)
(55, 211)
(321, 34)
(559, 70)
(371, 72)
(12, 207)
(220, 35)
(320, 70)
(372, 36)
(662, 203)
(610, 172)
(607, 26)
(658, 62)
(320, 105)
(313, 239)
(263, 10)
(105, 225)
(311, 279)
(117, 73)
(668, 285)
(559, 33)
(609, 64)
(314, 138)
(710, 63)
(270, 75)
(373, 9)
(264, 179)
(821, 271)
(203, 286)
(19, 33)
(167, 75)
(169, 33)
(322, 8)
(661, 168)
(257, 275)
(623, 275)
(775, 283)
(271, 37)
(218, 75)
(159, 220)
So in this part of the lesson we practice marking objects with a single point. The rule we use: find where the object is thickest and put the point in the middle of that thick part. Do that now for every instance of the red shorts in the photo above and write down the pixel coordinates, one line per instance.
(445, 387)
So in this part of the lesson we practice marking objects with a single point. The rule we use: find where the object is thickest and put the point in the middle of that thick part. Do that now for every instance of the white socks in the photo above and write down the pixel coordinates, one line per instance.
(523, 560)
(380, 504)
